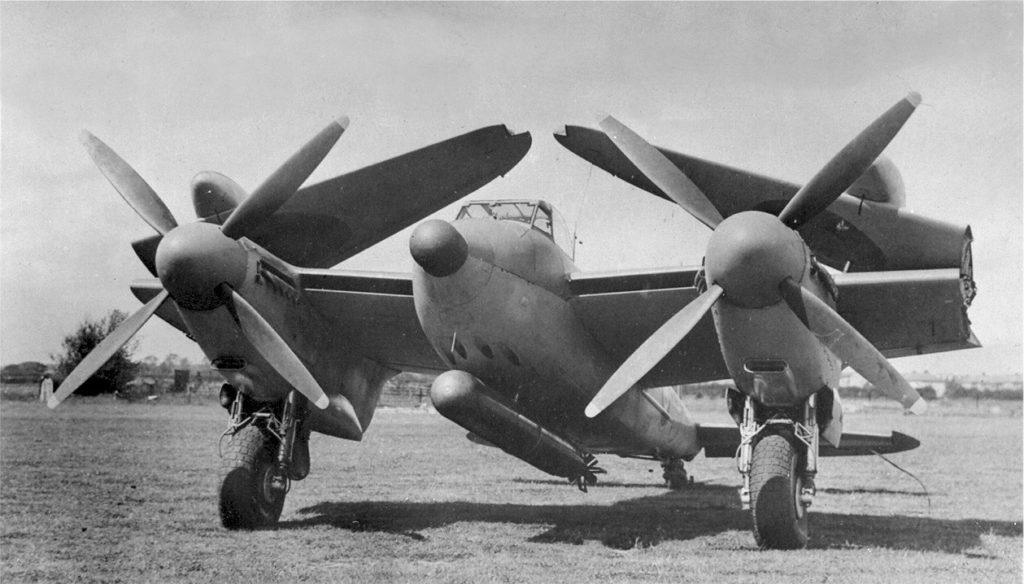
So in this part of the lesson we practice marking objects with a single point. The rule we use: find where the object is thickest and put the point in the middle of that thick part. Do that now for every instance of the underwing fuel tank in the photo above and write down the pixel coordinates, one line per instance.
(465, 400)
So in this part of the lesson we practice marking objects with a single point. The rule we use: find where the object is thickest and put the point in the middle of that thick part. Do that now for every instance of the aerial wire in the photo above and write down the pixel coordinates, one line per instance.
(910, 474)
(579, 211)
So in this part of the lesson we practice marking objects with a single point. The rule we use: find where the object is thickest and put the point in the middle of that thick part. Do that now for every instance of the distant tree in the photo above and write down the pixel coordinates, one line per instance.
(150, 365)
(169, 364)
(115, 374)
(928, 393)
(954, 389)
(29, 371)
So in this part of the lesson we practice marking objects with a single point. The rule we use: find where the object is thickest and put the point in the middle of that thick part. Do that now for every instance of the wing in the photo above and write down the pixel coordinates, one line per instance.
(375, 311)
(146, 290)
(901, 313)
(909, 312)
(621, 309)
(867, 232)
(328, 222)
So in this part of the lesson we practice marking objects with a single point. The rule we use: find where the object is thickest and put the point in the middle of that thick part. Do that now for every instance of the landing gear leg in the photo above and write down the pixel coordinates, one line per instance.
(776, 484)
(783, 461)
(263, 453)
(748, 431)
(675, 475)
(293, 452)
(248, 499)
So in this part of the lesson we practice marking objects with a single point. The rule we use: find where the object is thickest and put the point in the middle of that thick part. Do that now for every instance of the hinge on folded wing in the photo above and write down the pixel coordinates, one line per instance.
(968, 287)
(276, 281)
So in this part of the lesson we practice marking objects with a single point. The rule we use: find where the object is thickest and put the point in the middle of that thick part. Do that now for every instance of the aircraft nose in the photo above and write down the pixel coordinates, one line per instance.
(750, 254)
(438, 248)
(193, 259)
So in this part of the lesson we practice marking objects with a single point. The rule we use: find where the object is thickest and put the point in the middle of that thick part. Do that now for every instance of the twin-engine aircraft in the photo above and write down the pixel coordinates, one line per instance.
(552, 365)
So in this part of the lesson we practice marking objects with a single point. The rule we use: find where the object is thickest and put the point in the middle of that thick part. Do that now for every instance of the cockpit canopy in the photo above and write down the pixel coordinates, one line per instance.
(538, 214)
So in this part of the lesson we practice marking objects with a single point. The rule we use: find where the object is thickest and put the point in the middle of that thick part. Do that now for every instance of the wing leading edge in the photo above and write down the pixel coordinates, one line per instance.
(621, 309)
(375, 311)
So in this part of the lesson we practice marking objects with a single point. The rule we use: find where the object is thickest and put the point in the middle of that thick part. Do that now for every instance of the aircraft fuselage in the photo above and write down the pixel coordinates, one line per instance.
(503, 316)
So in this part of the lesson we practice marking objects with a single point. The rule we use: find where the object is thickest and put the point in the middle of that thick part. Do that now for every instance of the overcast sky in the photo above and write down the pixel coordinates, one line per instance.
(775, 88)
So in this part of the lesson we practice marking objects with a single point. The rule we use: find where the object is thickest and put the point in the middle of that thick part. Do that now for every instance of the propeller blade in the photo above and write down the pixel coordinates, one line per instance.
(849, 345)
(847, 166)
(132, 187)
(653, 350)
(660, 170)
(107, 348)
(276, 351)
(282, 184)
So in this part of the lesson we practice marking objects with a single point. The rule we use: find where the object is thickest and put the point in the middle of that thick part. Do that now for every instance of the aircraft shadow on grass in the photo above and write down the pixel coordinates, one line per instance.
(701, 510)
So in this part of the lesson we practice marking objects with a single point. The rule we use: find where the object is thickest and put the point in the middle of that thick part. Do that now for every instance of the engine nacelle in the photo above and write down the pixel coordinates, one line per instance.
(881, 183)
(465, 400)
(214, 196)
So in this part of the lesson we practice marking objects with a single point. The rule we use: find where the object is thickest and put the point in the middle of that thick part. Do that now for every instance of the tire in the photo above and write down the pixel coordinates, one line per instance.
(780, 521)
(246, 501)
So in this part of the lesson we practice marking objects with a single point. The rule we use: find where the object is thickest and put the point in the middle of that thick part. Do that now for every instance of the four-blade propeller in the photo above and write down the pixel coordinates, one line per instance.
(198, 264)
(734, 280)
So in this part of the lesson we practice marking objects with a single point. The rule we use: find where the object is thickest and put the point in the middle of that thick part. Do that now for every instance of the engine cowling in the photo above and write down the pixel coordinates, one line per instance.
(215, 196)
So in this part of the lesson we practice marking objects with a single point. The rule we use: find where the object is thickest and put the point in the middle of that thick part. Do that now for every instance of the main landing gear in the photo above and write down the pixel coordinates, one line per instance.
(778, 460)
(266, 448)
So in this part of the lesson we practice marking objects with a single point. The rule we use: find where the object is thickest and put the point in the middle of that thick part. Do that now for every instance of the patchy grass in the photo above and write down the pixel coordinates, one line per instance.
(105, 491)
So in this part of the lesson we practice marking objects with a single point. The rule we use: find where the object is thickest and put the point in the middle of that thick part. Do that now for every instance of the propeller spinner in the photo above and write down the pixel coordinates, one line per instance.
(754, 259)
(201, 264)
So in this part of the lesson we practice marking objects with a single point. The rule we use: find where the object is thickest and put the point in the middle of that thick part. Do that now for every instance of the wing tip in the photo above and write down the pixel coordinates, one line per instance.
(608, 122)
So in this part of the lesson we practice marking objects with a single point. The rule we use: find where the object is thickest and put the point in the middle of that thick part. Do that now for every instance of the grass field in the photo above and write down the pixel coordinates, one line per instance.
(104, 491)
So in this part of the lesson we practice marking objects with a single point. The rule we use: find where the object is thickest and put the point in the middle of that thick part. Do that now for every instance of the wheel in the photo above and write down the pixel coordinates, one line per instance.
(676, 483)
(675, 475)
(780, 520)
(247, 500)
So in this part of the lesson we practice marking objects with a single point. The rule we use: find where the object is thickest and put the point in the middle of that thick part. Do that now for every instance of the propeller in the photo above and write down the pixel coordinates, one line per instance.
(846, 167)
(665, 175)
(282, 184)
(824, 188)
(276, 351)
(846, 342)
(653, 350)
(133, 188)
(195, 261)
(107, 348)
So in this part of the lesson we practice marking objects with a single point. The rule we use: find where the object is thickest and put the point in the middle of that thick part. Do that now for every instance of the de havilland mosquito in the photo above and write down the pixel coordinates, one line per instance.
(548, 363)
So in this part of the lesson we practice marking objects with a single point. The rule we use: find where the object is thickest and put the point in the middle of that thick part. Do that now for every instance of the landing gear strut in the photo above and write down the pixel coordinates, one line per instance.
(778, 462)
(263, 453)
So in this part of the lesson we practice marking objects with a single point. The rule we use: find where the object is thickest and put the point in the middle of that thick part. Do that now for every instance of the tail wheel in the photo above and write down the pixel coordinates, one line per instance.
(247, 500)
(780, 520)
